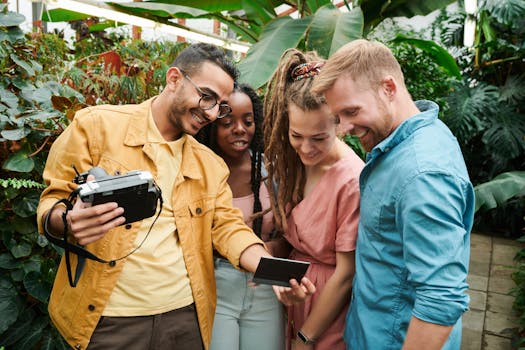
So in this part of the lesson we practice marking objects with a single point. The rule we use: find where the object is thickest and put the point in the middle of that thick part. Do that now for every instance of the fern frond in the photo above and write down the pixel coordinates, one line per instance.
(20, 183)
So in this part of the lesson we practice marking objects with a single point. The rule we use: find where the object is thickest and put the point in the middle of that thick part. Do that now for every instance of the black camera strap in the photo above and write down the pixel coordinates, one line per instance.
(79, 250)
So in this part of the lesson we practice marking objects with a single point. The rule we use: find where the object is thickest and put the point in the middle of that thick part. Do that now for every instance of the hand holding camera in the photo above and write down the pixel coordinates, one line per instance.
(88, 223)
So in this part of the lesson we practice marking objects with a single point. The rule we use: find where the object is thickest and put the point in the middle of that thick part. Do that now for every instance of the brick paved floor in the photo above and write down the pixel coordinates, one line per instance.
(489, 322)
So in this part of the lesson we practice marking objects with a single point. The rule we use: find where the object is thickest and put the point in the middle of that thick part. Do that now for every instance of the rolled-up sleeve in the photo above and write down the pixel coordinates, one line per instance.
(436, 216)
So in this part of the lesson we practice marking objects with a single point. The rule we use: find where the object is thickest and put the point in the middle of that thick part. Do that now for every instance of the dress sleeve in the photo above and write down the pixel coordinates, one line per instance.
(347, 216)
(434, 215)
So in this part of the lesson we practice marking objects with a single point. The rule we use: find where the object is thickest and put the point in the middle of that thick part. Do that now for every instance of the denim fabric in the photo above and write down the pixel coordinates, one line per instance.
(247, 317)
(413, 246)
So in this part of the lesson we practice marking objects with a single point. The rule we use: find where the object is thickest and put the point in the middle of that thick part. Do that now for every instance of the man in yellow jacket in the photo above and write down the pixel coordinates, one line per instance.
(162, 295)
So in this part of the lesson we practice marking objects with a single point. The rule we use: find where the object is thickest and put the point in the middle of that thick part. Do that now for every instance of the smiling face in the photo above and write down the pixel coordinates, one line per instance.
(235, 131)
(184, 113)
(312, 134)
(363, 112)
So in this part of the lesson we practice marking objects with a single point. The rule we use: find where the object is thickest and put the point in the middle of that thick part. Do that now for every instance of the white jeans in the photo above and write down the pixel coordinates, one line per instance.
(247, 317)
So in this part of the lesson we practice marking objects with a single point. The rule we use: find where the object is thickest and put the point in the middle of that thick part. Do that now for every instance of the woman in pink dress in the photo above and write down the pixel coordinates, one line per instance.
(317, 204)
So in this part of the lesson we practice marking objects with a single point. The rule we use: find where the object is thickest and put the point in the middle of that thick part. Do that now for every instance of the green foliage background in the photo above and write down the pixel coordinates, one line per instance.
(44, 82)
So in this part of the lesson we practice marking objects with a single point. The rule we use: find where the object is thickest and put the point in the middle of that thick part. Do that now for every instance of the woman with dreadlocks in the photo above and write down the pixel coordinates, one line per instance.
(247, 316)
(317, 204)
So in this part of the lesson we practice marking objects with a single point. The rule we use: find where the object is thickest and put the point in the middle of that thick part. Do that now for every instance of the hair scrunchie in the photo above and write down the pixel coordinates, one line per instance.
(306, 70)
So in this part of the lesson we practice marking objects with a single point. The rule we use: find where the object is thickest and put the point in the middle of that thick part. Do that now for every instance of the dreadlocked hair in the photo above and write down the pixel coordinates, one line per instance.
(208, 136)
(282, 162)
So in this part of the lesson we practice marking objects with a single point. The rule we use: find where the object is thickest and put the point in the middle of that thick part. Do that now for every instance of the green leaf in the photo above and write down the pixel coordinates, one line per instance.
(36, 286)
(8, 304)
(62, 15)
(506, 12)
(23, 64)
(21, 250)
(11, 19)
(7, 262)
(25, 206)
(159, 10)
(34, 334)
(15, 134)
(24, 226)
(34, 263)
(7, 97)
(19, 162)
(263, 57)
(315, 5)
(377, 10)
(12, 34)
(207, 5)
(500, 189)
(331, 28)
(259, 11)
(19, 328)
(441, 56)
(8, 236)
(40, 95)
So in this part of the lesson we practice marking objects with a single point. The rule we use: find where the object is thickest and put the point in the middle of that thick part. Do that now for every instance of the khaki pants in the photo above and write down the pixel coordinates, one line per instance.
(173, 330)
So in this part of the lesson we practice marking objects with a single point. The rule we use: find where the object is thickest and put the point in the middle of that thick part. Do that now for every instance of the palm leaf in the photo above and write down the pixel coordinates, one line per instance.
(468, 107)
(506, 12)
(377, 10)
(496, 192)
(441, 56)
(331, 28)
(262, 58)
(505, 136)
(513, 91)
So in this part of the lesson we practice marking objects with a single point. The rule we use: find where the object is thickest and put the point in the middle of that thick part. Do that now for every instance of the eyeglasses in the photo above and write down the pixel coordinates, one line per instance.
(207, 101)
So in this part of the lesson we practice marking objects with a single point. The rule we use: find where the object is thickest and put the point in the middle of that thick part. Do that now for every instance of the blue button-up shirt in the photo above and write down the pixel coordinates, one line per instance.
(417, 208)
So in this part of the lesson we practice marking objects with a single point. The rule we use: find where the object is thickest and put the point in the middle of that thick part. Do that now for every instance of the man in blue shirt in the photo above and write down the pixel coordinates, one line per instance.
(417, 207)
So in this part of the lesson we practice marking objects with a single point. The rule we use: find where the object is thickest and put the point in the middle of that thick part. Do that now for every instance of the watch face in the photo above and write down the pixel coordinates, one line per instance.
(304, 338)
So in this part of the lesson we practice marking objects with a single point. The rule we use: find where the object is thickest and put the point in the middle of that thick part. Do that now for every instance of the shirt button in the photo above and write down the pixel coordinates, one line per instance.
(128, 226)
(91, 307)
(198, 210)
(112, 263)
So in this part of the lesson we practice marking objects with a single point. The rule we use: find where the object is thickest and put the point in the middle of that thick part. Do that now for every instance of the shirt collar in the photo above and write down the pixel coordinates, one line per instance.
(427, 115)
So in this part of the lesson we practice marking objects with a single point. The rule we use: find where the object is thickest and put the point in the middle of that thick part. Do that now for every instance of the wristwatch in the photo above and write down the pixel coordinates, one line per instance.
(303, 338)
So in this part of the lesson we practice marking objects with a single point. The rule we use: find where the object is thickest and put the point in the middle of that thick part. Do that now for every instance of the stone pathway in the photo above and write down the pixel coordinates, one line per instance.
(489, 322)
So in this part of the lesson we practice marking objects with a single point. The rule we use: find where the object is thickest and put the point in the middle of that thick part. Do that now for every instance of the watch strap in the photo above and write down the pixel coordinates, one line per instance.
(304, 339)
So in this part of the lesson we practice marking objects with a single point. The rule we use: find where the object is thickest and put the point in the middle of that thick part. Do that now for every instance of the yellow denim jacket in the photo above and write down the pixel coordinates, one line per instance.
(113, 137)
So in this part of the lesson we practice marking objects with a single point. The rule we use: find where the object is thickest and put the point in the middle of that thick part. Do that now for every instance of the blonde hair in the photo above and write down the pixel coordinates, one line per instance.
(282, 162)
(370, 61)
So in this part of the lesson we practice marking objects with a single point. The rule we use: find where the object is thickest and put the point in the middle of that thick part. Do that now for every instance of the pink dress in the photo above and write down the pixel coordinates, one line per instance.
(323, 223)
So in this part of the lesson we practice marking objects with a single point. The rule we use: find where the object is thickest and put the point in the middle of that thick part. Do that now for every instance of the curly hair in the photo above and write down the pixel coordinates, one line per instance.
(208, 136)
(282, 162)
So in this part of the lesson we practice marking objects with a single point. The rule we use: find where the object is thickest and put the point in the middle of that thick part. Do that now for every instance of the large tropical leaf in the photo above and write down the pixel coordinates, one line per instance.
(441, 56)
(263, 57)
(500, 189)
(259, 11)
(315, 5)
(62, 15)
(513, 91)
(377, 10)
(218, 6)
(507, 12)
(468, 108)
(159, 10)
(331, 28)
(505, 136)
